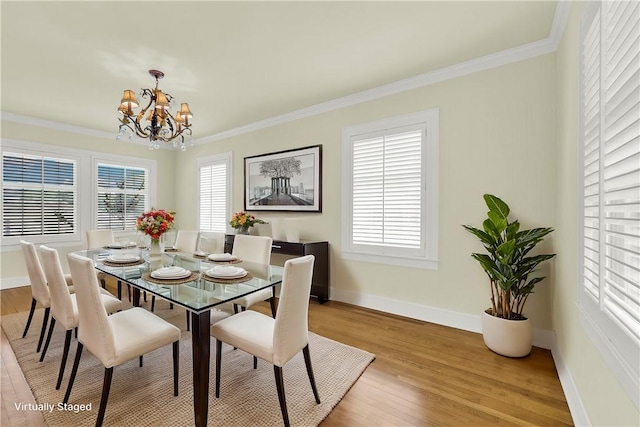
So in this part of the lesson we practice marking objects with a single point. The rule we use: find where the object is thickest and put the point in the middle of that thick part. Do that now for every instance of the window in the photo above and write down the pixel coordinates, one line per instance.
(214, 192)
(390, 190)
(39, 195)
(610, 184)
(123, 195)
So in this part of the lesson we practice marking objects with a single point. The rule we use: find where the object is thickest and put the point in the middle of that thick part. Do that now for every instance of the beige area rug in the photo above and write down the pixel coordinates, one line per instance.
(144, 396)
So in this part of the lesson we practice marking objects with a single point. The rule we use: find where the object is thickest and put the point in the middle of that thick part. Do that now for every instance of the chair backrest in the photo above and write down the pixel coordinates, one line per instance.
(253, 248)
(39, 288)
(94, 329)
(211, 242)
(99, 238)
(186, 240)
(291, 330)
(61, 305)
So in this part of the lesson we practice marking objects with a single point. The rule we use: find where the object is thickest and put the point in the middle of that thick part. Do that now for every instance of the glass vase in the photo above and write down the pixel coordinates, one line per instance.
(157, 246)
(242, 230)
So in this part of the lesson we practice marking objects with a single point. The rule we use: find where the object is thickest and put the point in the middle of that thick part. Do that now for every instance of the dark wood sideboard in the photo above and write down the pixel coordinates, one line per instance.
(320, 281)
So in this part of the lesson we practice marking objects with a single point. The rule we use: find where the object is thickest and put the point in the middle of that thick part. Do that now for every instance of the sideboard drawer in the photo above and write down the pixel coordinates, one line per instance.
(289, 248)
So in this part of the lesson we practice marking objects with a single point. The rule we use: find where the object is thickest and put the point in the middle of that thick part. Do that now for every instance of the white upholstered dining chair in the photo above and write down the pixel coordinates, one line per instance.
(39, 290)
(118, 338)
(64, 306)
(255, 249)
(274, 340)
(99, 239)
(187, 241)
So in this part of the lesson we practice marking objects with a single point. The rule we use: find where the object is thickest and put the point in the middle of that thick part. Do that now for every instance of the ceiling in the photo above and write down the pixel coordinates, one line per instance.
(236, 63)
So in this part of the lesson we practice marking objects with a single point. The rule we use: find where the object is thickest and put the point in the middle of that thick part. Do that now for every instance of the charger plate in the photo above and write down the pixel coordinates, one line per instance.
(246, 278)
(122, 264)
(147, 277)
(233, 261)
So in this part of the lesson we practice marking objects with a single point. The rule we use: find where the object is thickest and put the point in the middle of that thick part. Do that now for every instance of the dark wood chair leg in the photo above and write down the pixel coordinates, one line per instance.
(272, 303)
(74, 371)
(65, 354)
(218, 365)
(144, 296)
(176, 366)
(106, 386)
(188, 321)
(170, 306)
(129, 291)
(44, 328)
(277, 370)
(243, 308)
(33, 309)
(46, 344)
(153, 303)
(76, 329)
(140, 358)
(235, 308)
(119, 290)
(312, 380)
(255, 362)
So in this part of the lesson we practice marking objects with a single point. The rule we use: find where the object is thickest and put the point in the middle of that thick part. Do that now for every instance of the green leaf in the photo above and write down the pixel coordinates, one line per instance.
(505, 251)
(496, 205)
(499, 222)
(512, 230)
(484, 237)
(491, 229)
(487, 264)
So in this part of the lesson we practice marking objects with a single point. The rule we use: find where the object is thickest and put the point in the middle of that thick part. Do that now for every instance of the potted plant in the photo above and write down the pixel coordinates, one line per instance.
(510, 267)
(243, 221)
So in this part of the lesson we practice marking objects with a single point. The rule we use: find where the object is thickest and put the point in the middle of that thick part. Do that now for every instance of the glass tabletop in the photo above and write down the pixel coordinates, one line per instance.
(197, 293)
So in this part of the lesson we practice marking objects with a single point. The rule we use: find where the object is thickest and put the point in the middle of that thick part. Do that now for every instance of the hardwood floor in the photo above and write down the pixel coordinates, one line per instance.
(423, 375)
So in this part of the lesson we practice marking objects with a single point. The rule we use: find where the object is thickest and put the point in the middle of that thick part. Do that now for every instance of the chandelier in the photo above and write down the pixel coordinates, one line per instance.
(159, 125)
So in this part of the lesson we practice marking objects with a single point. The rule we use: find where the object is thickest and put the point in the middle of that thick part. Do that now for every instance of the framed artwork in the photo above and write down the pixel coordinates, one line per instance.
(285, 181)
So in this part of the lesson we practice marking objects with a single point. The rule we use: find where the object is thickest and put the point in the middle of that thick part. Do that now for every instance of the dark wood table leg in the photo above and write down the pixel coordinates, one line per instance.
(200, 341)
(136, 297)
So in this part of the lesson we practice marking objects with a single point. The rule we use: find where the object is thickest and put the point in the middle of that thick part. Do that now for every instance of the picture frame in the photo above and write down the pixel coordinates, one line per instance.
(284, 181)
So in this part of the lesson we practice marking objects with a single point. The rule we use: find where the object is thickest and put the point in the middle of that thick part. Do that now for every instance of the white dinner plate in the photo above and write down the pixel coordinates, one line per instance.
(170, 273)
(222, 257)
(123, 258)
(226, 272)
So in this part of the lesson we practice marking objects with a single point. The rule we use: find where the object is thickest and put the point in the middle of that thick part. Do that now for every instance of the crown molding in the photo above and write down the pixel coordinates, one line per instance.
(520, 53)
(78, 130)
(508, 56)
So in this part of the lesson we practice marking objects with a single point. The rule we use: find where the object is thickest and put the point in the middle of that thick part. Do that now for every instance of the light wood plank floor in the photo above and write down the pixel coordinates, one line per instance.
(423, 375)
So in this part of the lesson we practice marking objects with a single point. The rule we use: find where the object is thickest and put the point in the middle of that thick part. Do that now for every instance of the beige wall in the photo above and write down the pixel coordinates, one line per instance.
(497, 135)
(605, 401)
(12, 264)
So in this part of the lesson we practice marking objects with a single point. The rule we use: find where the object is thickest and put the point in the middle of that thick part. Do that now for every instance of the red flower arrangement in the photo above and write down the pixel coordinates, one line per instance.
(155, 222)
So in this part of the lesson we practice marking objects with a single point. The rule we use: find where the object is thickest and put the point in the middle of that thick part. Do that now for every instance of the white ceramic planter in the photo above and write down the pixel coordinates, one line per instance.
(510, 338)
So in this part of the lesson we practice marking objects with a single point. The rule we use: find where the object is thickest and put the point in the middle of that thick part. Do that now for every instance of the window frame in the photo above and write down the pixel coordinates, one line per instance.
(86, 194)
(123, 162)
(40, 150)
(619, 350)
(227, 159)
(427, 256)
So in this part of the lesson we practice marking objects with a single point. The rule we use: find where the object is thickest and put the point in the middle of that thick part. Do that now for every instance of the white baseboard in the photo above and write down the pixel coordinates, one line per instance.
(14, 282)
(467, 322)
(578, 411)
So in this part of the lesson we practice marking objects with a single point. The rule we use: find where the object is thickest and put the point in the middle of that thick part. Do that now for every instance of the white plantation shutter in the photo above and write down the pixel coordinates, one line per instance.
(214, 182)
(39, 195)
(123, 195)
(610, 131)
(390, 191)
(387, 186)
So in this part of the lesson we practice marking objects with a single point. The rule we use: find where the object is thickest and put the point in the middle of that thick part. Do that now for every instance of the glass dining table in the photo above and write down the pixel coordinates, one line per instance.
(198, 293)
